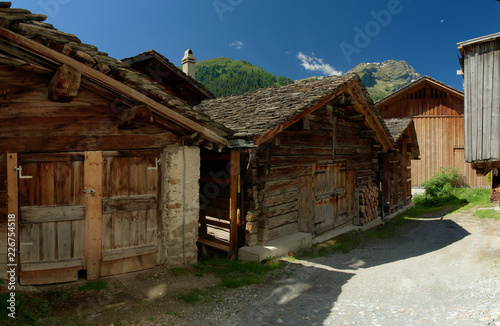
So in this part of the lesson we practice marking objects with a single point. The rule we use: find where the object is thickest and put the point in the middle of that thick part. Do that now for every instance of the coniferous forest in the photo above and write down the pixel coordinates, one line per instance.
(226, 77)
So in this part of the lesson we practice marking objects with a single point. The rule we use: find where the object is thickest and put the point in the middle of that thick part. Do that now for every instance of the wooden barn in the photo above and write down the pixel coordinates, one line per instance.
(481, 69)
(307, 159)
(397, 165)
(438, 113)
(100, 165)
(480, 63)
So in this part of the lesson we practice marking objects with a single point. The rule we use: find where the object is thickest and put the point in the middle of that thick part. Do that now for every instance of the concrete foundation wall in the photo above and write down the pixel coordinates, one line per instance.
(179, 206)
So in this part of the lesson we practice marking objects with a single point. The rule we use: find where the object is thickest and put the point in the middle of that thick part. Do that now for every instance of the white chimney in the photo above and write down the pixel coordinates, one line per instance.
(189, 64)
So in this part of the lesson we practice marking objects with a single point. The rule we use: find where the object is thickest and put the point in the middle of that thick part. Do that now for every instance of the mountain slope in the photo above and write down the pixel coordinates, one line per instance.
(225, 77)
(381, 79)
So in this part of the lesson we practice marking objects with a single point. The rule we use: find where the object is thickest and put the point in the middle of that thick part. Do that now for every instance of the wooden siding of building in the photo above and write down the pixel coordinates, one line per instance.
(306, 173)
(482, 96)
(439, 122)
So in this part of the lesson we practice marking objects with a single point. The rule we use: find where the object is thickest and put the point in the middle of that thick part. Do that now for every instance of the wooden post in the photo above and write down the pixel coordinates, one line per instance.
(93, 214)
(13, 202)
(233, 203)
(404, 171)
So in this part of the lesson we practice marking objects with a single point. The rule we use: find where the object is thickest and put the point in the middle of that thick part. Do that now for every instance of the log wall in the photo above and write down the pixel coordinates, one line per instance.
(287, 166)
(29, 122)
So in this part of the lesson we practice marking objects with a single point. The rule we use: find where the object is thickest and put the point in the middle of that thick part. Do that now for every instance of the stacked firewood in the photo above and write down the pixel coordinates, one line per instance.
(495, 194)
(368, 202)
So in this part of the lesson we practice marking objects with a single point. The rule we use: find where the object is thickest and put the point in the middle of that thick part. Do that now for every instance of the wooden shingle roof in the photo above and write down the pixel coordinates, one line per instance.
(253, 114)
(26, 39)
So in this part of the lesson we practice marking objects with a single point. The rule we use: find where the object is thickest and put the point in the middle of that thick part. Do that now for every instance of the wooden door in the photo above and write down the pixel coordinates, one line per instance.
(333, 196)
(51, 217)
(130, 205)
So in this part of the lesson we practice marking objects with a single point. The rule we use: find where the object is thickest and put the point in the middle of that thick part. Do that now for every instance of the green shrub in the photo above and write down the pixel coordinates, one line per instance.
(440, 188)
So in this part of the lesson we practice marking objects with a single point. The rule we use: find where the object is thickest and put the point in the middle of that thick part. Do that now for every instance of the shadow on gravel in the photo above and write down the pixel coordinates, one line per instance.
(308, 296)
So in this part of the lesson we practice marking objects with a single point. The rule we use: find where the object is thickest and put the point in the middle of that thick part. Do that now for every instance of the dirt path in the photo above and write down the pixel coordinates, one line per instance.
(438, 272)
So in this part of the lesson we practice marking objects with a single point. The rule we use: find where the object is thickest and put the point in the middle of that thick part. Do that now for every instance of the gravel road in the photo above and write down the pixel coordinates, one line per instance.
(436, 272)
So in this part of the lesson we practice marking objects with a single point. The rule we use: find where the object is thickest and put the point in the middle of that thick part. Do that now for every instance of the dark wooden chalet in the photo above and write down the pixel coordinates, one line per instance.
(397, 165)
(438, 113)
(308, 154)
(99, 165)
(159, 69)
(480, 64)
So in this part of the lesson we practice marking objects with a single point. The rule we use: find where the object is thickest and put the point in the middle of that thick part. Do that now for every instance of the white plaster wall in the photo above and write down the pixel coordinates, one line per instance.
(179, 205)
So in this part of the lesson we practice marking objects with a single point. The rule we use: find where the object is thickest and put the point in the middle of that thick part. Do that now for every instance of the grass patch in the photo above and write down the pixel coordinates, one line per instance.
(235, 274)
(94, 285)
(191, 297)
(487, 213)
(31, 308)
(180, 271)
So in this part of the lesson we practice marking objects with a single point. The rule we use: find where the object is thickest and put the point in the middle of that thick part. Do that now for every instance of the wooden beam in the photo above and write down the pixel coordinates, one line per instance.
(109, 83)
(372, 121)
(93, 214)
(87, 142)
(65, 84)
(129, 119)
(233, 203)
(13, 203)
(356, 118)
(368, 134)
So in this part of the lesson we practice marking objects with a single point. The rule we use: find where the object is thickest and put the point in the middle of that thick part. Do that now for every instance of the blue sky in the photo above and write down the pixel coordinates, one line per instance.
(291, 38)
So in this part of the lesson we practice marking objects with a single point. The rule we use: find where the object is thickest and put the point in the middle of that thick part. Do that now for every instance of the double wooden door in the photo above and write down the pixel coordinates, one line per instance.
(326, 198)
(92, 211)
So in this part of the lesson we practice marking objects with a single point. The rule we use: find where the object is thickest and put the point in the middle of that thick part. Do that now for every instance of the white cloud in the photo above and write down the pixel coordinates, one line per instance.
(238, 45)
(311, 63)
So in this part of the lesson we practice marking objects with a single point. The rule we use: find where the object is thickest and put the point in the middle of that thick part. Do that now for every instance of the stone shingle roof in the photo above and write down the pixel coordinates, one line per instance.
(397, 126)
(254, 113)
(31, 26)
(153, 54)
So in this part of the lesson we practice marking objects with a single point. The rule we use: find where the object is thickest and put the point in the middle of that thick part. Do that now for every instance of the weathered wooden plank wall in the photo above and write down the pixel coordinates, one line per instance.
(482, 94)
(439, 122)
(441, 140)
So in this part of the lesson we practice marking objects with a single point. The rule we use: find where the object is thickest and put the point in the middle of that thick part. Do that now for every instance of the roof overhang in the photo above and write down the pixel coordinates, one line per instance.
(477, 40)
(109, 83)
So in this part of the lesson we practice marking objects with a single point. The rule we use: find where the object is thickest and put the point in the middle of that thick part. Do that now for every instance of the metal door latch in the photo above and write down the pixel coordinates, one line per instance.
(20, 170)
(158, 162)
(90, 191)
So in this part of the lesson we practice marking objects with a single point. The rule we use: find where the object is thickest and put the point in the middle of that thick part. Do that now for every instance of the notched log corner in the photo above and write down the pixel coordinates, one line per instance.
(64, 86)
